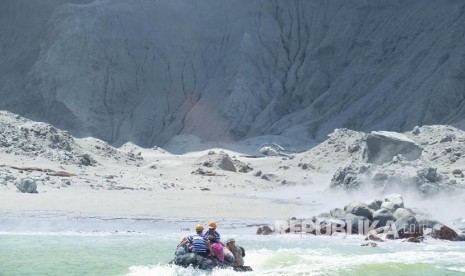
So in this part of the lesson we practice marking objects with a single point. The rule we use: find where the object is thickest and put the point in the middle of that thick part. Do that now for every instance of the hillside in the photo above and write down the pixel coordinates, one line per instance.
(145, 71)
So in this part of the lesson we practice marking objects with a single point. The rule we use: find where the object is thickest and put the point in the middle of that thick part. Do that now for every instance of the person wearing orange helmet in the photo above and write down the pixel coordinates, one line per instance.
(198, 243)
(212, 231)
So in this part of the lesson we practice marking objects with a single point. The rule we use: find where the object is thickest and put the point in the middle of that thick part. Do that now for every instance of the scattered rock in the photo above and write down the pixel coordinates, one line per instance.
(382, 217)
(458, 173)
(443, 232)
(348, 177)
(396, 199)
(200, 171)
(430, 174)
(268, 176)
(372, 237)
(370, 244)
(87, 160)
(403, 213)
(448, 138)
(374, 204)
(359, 208)
(414, 239)
(264, 230)
(353, 148)
(306, 166)
(408, 226)
(337, 213)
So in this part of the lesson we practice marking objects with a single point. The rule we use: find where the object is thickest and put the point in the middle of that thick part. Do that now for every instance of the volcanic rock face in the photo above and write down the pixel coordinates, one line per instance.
(383, 146)
(148, 70)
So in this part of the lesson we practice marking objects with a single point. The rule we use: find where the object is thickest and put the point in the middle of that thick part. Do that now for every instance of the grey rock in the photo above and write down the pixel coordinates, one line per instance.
(403, 213)
(374, 204)
(26, 185)
(227, 164)
(448, 138)
(458, 173)
(369, 244)
(391, 206)
(356, 224)
(353, 148)
(359, 208)
(443, 232)
(87, 160)
(395, 198)
(337, 213)
(347, 177)
(382, 217)
(382, 146)
(264, 230)
(430, 174)
(407, 224)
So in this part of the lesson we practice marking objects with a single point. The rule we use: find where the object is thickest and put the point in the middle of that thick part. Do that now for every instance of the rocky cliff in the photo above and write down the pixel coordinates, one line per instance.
(145, 71)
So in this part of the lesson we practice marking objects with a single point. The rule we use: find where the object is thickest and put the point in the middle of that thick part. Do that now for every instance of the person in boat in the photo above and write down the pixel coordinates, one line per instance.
(212, 231)
(237, 251)
(198, 243)
(216, 248)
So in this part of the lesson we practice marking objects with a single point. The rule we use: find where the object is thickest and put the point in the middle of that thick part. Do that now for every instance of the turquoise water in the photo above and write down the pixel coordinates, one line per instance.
(50, 245)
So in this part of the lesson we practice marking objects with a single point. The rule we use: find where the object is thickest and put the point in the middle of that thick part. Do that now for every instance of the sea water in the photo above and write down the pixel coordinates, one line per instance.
(76, 244)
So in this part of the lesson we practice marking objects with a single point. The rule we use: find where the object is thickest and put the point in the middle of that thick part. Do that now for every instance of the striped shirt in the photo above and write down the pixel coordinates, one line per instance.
(198, 243)
(216, 235)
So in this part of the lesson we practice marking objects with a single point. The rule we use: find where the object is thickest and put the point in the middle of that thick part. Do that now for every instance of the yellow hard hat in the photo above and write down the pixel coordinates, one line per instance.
(212, 224)
(199, 227)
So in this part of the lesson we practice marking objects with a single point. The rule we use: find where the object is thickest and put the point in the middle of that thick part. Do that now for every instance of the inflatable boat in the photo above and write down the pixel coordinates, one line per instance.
(189, 259)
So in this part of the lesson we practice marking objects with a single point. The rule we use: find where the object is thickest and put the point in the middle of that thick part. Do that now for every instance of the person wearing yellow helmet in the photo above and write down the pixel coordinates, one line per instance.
(212, 231)
(198, 243)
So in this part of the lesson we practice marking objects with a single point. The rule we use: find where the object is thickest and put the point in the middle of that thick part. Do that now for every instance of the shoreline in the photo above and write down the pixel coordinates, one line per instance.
(161, 204)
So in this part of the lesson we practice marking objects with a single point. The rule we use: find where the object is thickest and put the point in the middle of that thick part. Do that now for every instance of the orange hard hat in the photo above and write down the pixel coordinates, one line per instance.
(199, 227)
(212, 224)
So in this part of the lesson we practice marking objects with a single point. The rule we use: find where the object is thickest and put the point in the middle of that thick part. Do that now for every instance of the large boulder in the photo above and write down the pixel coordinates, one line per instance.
(264, 230)
(443, 232)
(382, 217)
(327, 225)
(403, 213)
(356, 224)
(226, 163)
(407, 227)
(26, 185)
(374, 204)
(382, 146)
(390, 206)
(359, 208)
